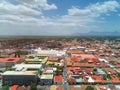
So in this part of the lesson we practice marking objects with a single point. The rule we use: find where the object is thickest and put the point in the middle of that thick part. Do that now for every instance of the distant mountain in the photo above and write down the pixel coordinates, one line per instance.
(95, 33)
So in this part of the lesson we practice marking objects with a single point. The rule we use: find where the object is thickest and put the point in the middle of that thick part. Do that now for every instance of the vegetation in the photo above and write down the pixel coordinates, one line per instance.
(52, 46)
(89, 88)
(40, 72)
(5, 88)
(95, 69)
(31, 57)
(19, 52)
(107, 77)
(118, 75)
(58, 72)
(33, 87)
(8, 69)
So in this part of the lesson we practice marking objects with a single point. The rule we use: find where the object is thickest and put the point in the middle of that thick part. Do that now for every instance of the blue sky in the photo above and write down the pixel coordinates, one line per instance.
(59, 17)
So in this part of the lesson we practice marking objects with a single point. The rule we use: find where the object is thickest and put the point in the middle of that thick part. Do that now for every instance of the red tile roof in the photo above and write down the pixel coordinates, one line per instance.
(115, 79)
(58, 78)
(98, 79)
(87, 56)
(71, 80)
(14, 87)
(9, 59)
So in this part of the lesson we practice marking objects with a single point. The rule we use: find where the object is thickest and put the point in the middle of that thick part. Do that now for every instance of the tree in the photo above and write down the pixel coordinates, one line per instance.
(95, 69)
(58, 72)
(33, 87)
(118, 75)
(108, 76)
(5, 88)
(89, 88)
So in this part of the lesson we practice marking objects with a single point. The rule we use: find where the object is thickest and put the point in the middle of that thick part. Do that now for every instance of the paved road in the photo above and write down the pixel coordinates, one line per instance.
(66, 85)
(0, 83)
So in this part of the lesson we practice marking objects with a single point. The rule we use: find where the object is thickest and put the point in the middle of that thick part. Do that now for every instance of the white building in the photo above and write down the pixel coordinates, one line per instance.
(50, 52)
(19, 67)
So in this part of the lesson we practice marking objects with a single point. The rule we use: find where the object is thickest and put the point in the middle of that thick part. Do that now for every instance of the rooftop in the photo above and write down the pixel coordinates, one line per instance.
(20, 73)
(47, 76)
(34, 66)
(58, 78)
(9, 59)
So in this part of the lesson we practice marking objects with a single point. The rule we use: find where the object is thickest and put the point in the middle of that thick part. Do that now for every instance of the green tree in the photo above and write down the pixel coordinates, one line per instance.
(5, 88)
(118, 75)
(95, 69)
(58, 72)
(33, 87)
(108, 76)
(89, 88)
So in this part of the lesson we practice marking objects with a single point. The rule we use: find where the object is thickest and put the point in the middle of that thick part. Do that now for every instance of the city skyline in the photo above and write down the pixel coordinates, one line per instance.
(60, 17)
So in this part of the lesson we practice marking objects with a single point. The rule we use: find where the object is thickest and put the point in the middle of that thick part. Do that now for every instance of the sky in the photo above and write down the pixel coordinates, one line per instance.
(59, 17)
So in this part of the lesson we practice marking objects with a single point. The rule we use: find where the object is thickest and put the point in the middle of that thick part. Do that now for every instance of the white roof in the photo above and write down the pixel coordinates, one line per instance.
(54, 69)
(20, 73)
(100, 71)
(49, 71)
(103, 60)
(81, 47)
(34, 66)
(50, 52)
(90, 79)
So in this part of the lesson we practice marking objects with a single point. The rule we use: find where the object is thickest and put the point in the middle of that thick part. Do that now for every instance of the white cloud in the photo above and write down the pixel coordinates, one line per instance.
(11, 9)
(42, 4)
(76, 20)
(89, 16)
(95, 10)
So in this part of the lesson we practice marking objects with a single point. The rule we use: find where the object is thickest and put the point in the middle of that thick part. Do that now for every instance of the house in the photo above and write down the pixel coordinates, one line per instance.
(88, 57)
(46, 79)
(58, 80)
(9, 62)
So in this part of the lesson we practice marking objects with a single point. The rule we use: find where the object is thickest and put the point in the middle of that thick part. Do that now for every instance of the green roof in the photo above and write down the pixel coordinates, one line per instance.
(47, 76)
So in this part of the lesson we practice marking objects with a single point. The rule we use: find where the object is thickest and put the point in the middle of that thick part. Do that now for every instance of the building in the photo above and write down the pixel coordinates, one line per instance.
(58, 80)
(50, 52)
(9, 62)
(36, 60)
(46, 79)
(19, 77)
(88, 57)
(20, 67)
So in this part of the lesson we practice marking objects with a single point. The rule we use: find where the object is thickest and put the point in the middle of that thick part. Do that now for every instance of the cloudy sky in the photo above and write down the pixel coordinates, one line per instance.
(59, 17)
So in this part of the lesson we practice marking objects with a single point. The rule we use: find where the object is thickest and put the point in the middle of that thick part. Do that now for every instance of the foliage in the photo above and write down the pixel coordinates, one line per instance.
(58, 72)
(33, 87)
(118, 75)
(22, 52)
(5, 88)
(89, 88)
(94, 69)
(107, 77)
